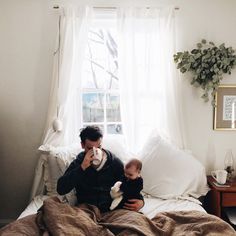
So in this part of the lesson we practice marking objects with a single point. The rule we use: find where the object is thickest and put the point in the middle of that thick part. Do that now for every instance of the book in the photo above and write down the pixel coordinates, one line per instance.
(221, 185)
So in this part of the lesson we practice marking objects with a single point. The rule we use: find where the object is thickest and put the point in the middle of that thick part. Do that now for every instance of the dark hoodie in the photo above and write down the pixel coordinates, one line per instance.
(92, 186)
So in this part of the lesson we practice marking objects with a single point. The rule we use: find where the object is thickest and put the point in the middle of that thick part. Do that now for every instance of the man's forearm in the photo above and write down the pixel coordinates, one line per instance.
(69, 180)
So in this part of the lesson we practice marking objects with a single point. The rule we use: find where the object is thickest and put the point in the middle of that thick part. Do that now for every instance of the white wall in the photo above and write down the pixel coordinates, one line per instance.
(27, 33)
(26, 47)
(213, 20)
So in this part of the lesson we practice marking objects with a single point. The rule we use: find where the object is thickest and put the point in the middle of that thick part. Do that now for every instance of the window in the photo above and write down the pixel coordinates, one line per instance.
(100, 87)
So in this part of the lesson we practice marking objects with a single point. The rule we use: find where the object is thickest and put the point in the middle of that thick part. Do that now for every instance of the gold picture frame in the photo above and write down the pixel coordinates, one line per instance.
(225, 109)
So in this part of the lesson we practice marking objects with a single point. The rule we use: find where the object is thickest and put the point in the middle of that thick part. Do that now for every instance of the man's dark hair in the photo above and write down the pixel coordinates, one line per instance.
(92, 133)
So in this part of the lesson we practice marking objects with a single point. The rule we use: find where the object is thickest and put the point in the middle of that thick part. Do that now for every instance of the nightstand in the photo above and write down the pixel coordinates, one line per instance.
(219, 198)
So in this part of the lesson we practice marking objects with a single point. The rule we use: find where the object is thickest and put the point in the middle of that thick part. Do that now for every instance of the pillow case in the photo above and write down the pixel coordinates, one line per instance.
(57, 160)
(65, 155)
(170, 172)
(116, 144)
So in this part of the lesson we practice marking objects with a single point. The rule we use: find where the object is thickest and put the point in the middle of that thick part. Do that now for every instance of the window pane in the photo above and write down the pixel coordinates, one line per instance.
(114, 129)
(100, 67)
(113, 108)
(98, 125)
(93, 110)
(100, 74)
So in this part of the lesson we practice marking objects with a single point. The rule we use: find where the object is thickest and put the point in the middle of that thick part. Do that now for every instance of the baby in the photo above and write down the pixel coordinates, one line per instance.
(129, 187)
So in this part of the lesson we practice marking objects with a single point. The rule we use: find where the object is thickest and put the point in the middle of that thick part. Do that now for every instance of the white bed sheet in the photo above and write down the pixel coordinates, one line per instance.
(34, 205)
(156, 205)
(151, 208)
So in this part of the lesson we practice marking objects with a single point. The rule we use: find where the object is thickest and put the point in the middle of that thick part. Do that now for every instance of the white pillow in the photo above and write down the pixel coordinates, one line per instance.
(170, 172)
(65, 155)
(116, 144)
(58, 159)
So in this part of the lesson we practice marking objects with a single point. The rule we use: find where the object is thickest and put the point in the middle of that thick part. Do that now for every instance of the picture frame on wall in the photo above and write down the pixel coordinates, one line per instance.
(225, 108)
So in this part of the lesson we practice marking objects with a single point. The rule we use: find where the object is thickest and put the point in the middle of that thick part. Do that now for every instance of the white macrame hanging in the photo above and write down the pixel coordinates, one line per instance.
(57, 124)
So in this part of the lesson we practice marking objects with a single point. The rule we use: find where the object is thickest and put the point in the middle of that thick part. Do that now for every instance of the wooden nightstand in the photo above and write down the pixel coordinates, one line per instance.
(219, 198)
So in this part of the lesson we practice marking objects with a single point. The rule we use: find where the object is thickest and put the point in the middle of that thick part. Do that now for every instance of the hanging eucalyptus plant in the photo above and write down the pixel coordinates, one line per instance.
(207, 63)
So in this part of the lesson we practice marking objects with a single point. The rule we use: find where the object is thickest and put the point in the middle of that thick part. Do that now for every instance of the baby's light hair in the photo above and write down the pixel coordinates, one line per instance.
(134, 162)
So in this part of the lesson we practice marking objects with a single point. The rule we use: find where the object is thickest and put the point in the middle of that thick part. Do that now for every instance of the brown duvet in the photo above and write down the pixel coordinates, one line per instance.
(56, 218)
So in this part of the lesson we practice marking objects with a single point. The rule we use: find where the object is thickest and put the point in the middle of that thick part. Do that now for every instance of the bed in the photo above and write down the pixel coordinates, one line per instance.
(173, 182)
(151, 208)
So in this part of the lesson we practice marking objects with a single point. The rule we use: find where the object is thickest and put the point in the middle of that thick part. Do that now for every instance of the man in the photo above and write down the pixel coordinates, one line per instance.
(93, 183)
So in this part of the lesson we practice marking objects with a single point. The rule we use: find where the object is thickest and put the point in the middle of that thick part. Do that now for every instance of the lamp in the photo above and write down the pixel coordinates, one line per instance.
(229, 164)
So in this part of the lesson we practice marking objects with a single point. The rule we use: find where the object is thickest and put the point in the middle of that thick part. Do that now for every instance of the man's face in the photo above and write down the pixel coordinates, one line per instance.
(90, 144)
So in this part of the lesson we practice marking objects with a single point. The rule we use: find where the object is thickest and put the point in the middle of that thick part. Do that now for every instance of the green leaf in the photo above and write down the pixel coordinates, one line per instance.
(199, 45)
(213, 102)
(196, 56)
(179, 65)
(222, 46)
(207, 65)
(191, 59)
(195, 51)
(183, 70)
(187, 66)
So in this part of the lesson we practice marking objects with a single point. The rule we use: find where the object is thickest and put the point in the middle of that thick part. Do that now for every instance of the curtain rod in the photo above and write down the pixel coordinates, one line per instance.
(57, 7)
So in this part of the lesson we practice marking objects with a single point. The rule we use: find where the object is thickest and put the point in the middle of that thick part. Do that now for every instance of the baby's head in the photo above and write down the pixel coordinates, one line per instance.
(133, 169)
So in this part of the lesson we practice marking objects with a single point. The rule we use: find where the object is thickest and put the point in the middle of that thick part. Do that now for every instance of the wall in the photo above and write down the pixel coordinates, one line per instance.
(28, 29)
(213, 20)
(27, 35)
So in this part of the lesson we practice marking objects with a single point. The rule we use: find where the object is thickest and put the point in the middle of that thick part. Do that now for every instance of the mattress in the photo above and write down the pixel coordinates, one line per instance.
(151, 208)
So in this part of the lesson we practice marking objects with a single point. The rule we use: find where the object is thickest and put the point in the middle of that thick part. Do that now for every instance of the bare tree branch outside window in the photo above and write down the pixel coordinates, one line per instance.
(102, 70)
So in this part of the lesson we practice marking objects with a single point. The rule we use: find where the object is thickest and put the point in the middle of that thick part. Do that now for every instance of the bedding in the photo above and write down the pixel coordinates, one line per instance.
(171, 172)
(151, 208)
(168, 171)
(162, 214)
(54, 161)
(56, 218)
(34, 205)
(156, 205)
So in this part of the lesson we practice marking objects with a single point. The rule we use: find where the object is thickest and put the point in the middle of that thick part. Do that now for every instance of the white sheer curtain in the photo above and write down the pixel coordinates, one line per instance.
(148, 81)
(65, 104)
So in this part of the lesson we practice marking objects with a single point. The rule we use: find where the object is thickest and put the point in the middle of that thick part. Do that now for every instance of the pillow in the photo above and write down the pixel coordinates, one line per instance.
(116, 144)
(57, 160)
(65, 155)
(170, 172)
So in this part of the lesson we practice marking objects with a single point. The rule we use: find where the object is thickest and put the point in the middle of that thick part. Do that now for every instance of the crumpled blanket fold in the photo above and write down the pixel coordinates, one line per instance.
(59, 219)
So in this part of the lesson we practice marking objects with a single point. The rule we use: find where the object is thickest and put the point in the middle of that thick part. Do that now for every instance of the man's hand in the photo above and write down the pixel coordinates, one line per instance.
(87, 159)
(134, 204)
